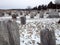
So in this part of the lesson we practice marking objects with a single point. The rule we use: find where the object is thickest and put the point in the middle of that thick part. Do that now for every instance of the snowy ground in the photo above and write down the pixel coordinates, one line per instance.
(30, 32)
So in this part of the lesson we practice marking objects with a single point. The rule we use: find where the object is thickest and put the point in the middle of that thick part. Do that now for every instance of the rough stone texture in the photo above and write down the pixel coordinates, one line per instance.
(9, 33)
(3, 33)
(47, 37)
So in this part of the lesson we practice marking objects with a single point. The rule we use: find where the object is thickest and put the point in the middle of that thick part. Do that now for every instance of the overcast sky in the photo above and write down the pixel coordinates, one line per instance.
(9, 4)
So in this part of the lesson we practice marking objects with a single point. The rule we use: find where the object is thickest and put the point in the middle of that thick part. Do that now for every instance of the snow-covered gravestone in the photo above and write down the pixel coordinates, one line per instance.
(47, 37)
(9, 33)
(13, 31)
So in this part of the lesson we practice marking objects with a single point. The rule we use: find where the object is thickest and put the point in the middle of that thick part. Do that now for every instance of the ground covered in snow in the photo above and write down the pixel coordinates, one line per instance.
(30, 32)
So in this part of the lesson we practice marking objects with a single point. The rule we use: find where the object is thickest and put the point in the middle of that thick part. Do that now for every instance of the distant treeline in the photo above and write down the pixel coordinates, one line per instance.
(51, 5)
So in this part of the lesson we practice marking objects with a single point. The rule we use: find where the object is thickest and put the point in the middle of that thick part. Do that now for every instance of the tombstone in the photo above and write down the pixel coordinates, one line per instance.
(9, 13)
(47, 37)
(41, 14)
(14, 16)
(23, 20)
(1, 14)
(9, 33)
(31, 16)
(21, 13)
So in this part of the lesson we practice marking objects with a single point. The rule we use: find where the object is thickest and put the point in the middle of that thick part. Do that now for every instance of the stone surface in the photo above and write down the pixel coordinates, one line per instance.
(9, 33)
(47, 37)
(23, 20)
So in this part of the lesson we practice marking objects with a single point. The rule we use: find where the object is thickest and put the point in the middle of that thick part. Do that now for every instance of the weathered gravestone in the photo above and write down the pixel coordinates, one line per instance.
(47, 37)
(4, 38)
(41, 14)
(9, 33)
(23, 20)
(1, 14)
(31, 16)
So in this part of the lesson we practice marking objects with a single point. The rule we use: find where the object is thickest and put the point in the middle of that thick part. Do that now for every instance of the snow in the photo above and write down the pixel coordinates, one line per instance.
(30, 32)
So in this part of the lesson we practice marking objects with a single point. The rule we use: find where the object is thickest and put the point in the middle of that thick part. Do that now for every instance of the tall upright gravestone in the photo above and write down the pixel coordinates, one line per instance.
(9, 33)
(23, 20)
(47, 37)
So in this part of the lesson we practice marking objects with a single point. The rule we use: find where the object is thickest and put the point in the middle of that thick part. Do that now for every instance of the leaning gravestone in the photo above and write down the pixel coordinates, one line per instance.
(9, 33)
(41, 14)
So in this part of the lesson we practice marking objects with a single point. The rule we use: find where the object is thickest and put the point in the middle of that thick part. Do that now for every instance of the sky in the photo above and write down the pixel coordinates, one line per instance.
(22, 4)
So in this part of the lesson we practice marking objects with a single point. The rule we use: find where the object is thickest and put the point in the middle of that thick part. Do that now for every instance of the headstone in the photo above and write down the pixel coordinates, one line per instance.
(23, 20)
(41, 14)
(9, 33)
(4, 37)
(14, 16)
(13, 30)
(1, 14)
(21, 13)
(9, 13)
(31, 16)
(47, 37)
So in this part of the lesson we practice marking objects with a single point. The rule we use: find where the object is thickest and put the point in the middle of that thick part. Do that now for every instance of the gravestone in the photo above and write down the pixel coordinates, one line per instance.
(4, 38)
(14, 16)
(9, 13)
(9, 33)
(21, 13)
(31, 16)
(1, 14)
(41, 14)
(23, 20)
(47, 37)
